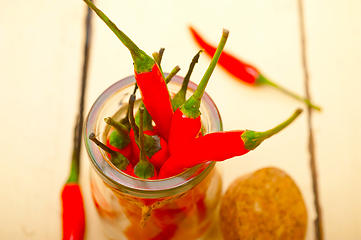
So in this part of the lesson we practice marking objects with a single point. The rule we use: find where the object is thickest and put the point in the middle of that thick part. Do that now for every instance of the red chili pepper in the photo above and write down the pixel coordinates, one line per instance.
(149, 78)
(183, 130)
(186, 122)
(135, 148)
(156, 148)
(218, 146)
(73, 213)
(127, 151)
(156, 99)
(130, 170)
(118, 159)
(119, 140)
(243, 71)
(161, 156)
(157, 158)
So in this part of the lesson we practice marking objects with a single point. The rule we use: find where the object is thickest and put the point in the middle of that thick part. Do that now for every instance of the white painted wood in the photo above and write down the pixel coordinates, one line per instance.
(41, 53)
(334, 52)
(41, 46)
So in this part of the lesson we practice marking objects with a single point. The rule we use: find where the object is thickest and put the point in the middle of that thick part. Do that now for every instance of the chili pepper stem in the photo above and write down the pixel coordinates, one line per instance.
(152, 143)
(160, 53)
(180, 97)
(191, 107)
(253, 139)
(131, 116)
(174, 71)
(123, 135)
(125, 120)
(157, 56)
(147, 119)
(144, 169)
(142, 62)
(118, 159)
(263, 80)
(74, 170)
(75, 160)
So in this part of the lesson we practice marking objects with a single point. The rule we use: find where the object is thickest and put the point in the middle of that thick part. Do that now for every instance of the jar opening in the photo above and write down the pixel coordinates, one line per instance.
(113, 102)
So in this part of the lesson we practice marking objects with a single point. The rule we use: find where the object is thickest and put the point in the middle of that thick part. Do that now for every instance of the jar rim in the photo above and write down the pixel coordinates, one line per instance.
(140, 187)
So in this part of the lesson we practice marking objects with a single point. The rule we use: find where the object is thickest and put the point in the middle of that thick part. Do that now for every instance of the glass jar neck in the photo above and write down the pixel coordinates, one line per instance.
(110, 103)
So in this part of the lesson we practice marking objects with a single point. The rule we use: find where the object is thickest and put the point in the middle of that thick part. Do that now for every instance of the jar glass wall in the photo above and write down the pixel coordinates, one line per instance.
(181, 207)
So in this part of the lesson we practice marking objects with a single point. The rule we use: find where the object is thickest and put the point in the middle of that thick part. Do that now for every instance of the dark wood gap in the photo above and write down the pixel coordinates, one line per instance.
(311, 145)
(84, 77)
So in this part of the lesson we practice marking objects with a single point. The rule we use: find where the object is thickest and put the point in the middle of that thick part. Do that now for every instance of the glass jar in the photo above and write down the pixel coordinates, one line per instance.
(182, 207)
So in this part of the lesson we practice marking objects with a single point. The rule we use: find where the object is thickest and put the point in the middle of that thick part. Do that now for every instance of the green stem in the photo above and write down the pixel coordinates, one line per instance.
(174, 71)
(161, 52)
(253, 139)
(180, 97)
(191, 107)
(147, 122)
(131, 116)
(120, 137)
(152, 143)
(141, 135)
(74, 170)
(100, 144)
(157, 56)
(117, 126)
(142, 62)
(144, 169)
(263, 80)
(125, 120)
(160, 56)
(118, 159)
(75, 160)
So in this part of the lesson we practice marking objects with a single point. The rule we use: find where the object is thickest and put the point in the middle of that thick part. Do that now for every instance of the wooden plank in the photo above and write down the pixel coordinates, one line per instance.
(41, 51)
(333, 36)
(42, 48)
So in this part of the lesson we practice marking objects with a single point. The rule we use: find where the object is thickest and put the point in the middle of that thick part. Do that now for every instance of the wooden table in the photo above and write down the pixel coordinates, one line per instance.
(41, 47)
